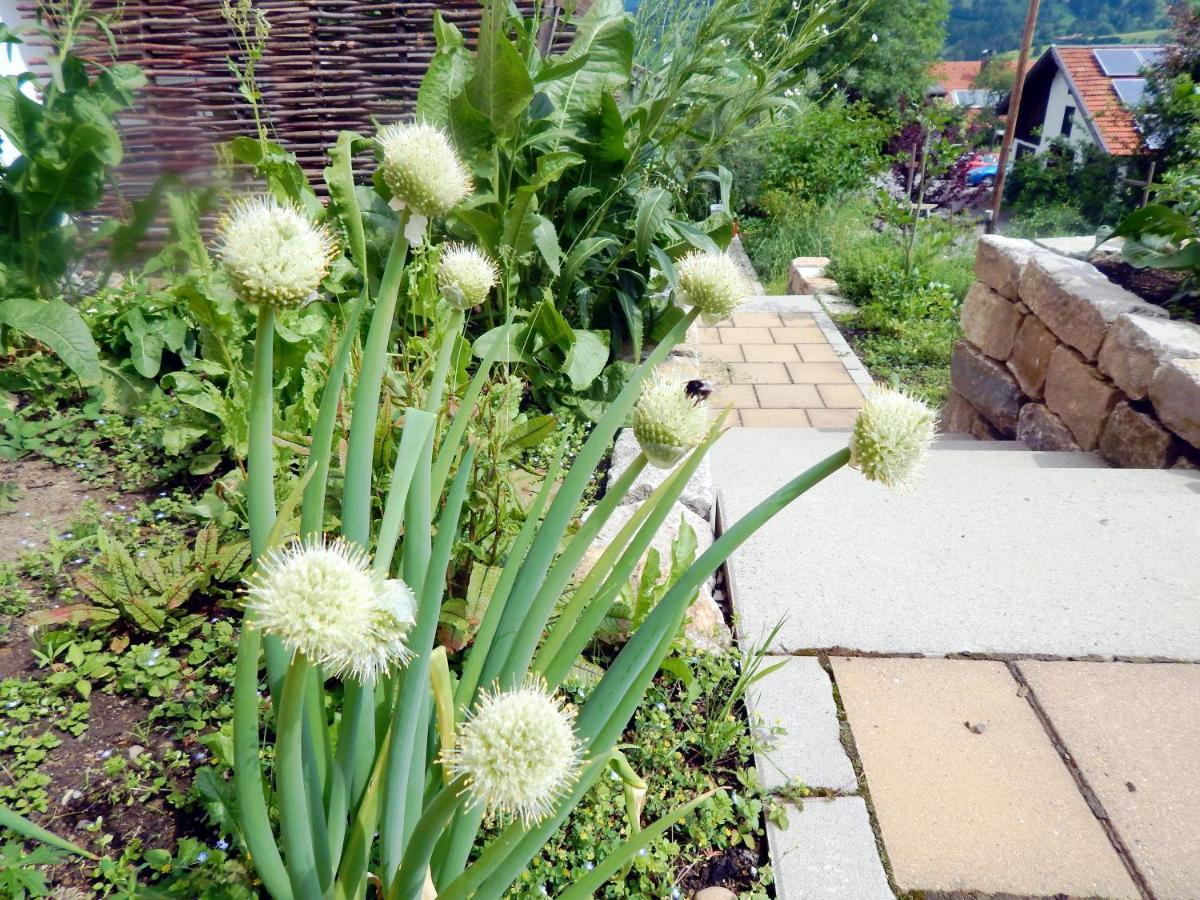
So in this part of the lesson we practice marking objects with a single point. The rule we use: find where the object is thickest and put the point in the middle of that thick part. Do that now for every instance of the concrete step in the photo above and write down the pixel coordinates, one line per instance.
(997, 552)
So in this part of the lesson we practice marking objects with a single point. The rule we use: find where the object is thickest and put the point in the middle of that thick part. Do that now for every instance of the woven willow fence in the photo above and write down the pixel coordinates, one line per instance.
(328, 65)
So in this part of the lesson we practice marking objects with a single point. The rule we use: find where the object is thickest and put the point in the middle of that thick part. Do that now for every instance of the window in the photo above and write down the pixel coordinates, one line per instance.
(1067, 122)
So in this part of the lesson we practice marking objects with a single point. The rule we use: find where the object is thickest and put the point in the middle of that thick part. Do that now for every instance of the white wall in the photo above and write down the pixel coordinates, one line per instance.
(1060, 98)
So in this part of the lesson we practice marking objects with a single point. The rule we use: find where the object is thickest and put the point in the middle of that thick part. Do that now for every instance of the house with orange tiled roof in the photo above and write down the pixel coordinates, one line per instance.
(1086, 95)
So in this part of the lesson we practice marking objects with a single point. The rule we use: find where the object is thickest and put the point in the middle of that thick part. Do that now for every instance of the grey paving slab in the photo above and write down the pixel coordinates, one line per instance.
(798, 699)
(995, 552)
(1134, 732)
(969, 792)
(827, 850)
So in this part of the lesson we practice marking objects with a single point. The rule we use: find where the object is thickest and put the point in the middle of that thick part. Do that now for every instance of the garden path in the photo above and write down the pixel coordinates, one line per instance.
(991, 686)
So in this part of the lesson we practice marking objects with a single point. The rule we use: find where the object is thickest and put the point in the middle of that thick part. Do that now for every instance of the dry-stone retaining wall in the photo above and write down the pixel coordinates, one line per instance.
(1056, 355)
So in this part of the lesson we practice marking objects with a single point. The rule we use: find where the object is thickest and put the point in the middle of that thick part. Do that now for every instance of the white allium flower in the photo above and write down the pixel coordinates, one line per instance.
(518, 751)
(667, 422)
(422, 169)
(712, 283)
(891, 438)
(274, 254)
(465, 275)
(322, 600)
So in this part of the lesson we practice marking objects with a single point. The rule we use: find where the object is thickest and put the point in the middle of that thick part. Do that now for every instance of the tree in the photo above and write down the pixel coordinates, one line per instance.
(1171, 116)
(885, 55)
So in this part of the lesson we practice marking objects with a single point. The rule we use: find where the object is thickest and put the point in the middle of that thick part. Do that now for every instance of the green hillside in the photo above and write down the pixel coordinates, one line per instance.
(978, 25)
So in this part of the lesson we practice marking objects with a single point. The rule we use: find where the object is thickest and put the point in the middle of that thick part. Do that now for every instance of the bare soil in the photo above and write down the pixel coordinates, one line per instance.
(50, 498)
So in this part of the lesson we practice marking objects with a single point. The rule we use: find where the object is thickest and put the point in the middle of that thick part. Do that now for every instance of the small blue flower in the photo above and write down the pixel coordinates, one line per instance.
(122, 507)
(160, 515)
(589, 865)
(202, 856)
(13, 703)
(101, 421)
(642, 852)
(67, 535)
(105, 754)
(199, 756)
(131, 519)
(222, 844)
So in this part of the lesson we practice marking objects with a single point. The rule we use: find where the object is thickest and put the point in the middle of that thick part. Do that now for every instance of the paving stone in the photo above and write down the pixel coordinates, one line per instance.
(827, 850)
(1136, 347)
(787, 396)
(729, 352)
(799, 334)
(1080, 395)
(1132, 729)
(841, 396)
(769, 352)
(756, 319)
(969, 793)
(1134, 440)
(959, 417)
(758, 373)
(819, 353)
(1175, 393)
(1040, 429)
(733, 335)
(818, 373)
(697, 493)
(776, 418)
(989, 321)
(1075, 301)
(1031, 355)
(736, 395)
(999, 260)
(708, 336)
(798, 698)
(987, 386)
(996, 551)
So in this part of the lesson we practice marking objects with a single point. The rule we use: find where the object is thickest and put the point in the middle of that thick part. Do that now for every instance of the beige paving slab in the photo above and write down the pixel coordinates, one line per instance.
(818, 353)
(788, 396)
(708, 335)
(991, 809)
(746, 335)
(759, 372)
(735, 395)
(728, 352)
(797, 333)
(756, 319)
(818, 373)
(832, 418)
(769, 352)
(1134, 731)
(841, 396)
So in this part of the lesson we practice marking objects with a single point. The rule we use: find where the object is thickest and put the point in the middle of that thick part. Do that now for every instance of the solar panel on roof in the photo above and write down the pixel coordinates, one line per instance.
(1130, 90)
(1117, 63)
(1151, 56)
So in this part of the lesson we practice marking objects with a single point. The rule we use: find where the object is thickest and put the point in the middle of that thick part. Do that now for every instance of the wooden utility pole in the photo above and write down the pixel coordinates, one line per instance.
(1014, 106)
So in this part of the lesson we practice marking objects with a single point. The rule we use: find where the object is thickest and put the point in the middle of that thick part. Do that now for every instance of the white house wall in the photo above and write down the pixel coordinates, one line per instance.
(1058, 101)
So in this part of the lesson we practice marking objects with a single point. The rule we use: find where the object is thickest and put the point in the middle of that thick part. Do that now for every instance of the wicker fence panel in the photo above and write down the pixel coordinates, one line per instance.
(328, 65)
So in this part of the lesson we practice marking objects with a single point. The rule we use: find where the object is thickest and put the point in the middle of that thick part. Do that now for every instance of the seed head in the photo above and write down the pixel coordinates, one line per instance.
(667, 422)
(422, 169)
(465, 275)
(712, 283)
(322, 600)
(274, 254)
(891, 438)
(518, 751)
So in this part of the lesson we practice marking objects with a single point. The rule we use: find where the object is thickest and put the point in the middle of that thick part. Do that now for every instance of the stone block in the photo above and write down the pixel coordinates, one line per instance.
(1136, 347)
(1040, 429)
(793, 712)
(802, 269)
(1135, 440)
(1031, 354)
(697, 494)
(989, 321)
(1080, 395)
(999, 260)
(1175, 393)
(827, 851)
(959, 417)
(987, 386)
(1075, 301)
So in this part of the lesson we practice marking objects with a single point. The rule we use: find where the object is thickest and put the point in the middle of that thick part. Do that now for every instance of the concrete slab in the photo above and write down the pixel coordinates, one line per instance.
(995, 552)
(969, 792)
(827, 850)
(1134, 730)
(697, 493)
(798, 698)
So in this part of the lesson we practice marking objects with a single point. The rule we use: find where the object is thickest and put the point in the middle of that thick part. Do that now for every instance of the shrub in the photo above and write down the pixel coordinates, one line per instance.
(1083, 178)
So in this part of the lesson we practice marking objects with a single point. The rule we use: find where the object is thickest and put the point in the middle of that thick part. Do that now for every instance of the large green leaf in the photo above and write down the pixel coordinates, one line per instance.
(587, 358)
(343, 200)
(653, 207)
(449, 71)
(604, 41)
(501, 87)
(60, 327)
(509, 340)
(545, 238)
